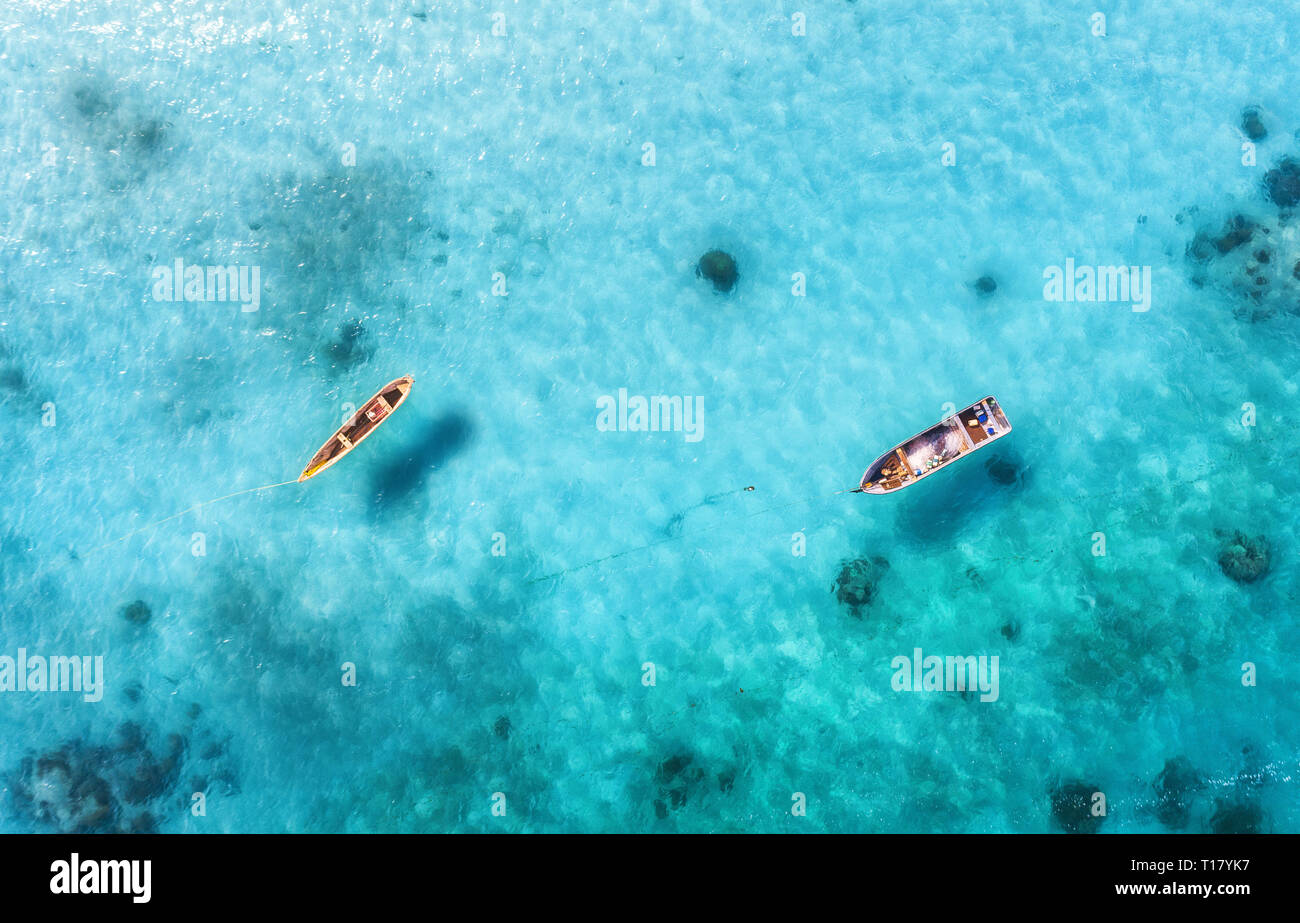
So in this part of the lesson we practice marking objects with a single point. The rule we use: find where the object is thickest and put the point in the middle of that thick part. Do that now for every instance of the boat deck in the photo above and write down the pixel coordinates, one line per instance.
(359, 426)
(951, 438)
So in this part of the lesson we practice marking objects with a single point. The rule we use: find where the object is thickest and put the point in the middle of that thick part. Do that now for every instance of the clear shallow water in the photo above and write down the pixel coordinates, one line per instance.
(220, 140)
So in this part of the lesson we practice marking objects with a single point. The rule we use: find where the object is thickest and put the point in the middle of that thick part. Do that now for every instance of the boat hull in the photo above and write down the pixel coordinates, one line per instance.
(931, 450)
(359, 426)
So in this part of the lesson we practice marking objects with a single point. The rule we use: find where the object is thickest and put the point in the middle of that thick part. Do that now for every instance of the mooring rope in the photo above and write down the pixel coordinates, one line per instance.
(696, 532)
(152, 525)
(1036, 557)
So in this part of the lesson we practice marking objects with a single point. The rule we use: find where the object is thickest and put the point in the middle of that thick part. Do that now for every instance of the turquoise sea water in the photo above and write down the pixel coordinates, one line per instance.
(380, 163)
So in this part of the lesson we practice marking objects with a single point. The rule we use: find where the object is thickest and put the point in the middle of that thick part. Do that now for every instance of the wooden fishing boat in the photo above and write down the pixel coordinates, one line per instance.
(362, 423)
(951, 438)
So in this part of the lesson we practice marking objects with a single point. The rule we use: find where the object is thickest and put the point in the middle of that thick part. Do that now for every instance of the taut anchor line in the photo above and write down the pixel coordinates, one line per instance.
(346, 438)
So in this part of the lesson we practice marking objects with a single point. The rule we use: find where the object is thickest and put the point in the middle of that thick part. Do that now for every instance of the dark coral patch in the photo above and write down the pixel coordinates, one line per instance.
(1243, 558)
(63, 789)
(123, 786)
(1175, 785)
(1243, 257)
(147, 135)
(309, 226)
(12, 379)
(985, 286)
(150, 777)
(350, 346)
(1072, 808)
(91, 103)
(719, 268)
(120, 129)
(857, 582)
(1236, 815)
(674, 778)
(1239, 230)
(1236, 231)
(1252, 124)
(1282, 183)
(143, 823)
(137, 613)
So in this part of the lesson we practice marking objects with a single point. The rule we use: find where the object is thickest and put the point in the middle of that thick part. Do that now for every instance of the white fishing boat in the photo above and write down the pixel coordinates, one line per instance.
(954, 437)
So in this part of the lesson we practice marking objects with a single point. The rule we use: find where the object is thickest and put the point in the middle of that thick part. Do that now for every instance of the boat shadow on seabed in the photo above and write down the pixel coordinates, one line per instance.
(432, 446)
(970, 491)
